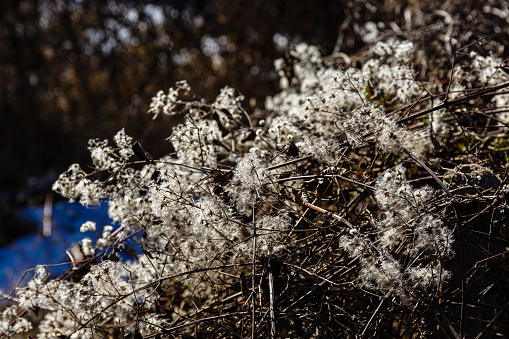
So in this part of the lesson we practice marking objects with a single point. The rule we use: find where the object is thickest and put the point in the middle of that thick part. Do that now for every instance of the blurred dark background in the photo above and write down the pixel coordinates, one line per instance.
(75, 70)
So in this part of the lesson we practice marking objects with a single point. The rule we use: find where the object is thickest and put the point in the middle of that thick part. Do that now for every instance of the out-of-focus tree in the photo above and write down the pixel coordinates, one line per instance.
(73, 70)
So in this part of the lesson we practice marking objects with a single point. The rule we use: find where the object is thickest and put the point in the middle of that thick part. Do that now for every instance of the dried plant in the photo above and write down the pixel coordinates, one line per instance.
(340, 214)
